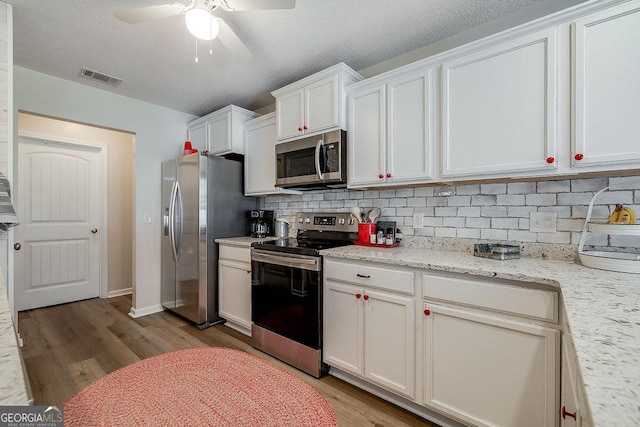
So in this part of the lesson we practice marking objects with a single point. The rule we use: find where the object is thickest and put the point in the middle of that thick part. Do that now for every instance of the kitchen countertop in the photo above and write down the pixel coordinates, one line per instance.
(243, 241)
(13, 389)
(601, 307)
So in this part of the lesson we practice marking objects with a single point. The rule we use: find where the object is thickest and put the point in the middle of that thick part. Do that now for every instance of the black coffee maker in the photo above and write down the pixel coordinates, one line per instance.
(262, 223)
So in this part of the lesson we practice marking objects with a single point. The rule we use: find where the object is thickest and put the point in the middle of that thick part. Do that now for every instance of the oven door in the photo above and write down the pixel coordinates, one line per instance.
(286, 293)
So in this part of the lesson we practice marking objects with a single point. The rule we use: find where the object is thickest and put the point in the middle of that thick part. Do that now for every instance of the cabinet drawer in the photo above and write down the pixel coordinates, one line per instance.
(534, 303)
(366, 275)
(235, 253)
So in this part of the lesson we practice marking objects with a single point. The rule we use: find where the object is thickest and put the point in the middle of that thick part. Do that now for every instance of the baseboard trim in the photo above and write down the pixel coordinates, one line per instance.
(119, 292)
(144, 311)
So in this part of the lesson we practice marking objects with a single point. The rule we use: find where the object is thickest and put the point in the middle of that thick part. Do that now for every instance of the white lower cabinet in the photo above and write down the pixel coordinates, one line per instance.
(487, 370)
(234, 287)
(369, 326)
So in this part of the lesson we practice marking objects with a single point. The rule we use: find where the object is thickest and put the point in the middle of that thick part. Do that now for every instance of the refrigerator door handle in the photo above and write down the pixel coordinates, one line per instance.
(177, 236)
(172, 222)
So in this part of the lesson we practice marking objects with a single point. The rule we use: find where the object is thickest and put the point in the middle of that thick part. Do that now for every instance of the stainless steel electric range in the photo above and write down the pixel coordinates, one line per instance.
(286, 289)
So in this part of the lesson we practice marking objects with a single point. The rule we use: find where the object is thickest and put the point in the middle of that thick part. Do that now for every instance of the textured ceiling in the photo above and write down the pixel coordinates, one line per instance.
(156, 59)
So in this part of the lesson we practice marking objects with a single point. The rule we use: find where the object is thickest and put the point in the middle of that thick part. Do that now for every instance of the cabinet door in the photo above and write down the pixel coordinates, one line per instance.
(322, 105)
(343, 327)
(198, 136)
(219, 133)
(568, 387)
(489, 371)
(290, 114)
(367, 140)
(410, 133)
(499, 108)
(389, 338)
(607, 87)
(259, 158)
(234, 289)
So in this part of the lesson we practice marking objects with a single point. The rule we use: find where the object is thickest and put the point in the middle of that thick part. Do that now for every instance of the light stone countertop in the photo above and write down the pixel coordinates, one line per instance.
(13, 389)
(602, 307)
(243, 241)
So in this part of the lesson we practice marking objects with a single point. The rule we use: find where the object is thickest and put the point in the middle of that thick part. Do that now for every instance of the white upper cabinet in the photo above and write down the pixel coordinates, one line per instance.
(606, 88)
(391, 133)
(499, 108)
(260, 157)
(314, 104)
(223, 130)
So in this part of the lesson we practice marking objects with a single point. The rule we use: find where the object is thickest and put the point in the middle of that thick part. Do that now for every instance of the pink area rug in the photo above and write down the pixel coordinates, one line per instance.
(199, 387)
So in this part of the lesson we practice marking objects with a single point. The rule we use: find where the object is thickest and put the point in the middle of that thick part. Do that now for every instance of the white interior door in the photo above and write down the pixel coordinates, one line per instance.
(58, 192)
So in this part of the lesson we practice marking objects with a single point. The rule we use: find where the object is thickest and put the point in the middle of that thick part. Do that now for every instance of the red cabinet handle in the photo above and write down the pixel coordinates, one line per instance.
(388, 175)
(427, 312)
(366, 297)
(566, 414)
(304, 127)
(299, 129)
(380, 176)
(579, 156)
(358, 296)
(550, 160)
(249, 271)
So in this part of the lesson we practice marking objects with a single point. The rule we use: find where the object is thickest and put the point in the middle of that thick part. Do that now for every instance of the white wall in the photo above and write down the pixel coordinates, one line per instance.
(160, 134)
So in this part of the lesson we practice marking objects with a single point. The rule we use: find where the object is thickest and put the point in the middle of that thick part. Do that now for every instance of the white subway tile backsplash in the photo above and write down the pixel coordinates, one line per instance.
(495, 212)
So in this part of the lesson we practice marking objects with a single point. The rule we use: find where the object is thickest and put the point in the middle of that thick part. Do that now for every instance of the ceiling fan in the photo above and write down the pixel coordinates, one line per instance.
(201, 21)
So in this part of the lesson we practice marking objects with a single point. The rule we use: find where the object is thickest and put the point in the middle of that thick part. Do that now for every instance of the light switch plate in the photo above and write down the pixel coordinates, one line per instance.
(543, 222)
(418, 220)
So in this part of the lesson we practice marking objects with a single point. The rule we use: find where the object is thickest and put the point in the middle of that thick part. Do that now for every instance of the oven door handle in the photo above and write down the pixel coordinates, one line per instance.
(304, 263)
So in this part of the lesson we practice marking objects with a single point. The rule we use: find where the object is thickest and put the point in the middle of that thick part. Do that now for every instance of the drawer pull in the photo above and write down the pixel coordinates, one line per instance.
(566, 414)
(363, 276)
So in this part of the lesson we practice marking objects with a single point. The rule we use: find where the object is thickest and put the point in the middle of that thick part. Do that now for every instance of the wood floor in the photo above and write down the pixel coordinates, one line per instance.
(67, 347)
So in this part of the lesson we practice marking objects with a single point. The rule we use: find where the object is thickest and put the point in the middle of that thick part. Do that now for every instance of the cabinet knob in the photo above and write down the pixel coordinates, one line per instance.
(358, 296)
(579, 156)
(427, 312)
(388, 175)
(299, 129)
(248, 271)
(550, 160)
(366, 297)
(304, 127)
(380, 176)
(566, 414)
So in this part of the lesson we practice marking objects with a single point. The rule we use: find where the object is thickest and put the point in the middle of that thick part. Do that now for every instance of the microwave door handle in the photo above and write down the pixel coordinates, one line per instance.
(318, 153)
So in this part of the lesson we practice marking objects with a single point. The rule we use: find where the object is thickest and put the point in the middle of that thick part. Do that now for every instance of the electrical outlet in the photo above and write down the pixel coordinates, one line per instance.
(543, 222)
(418, 220)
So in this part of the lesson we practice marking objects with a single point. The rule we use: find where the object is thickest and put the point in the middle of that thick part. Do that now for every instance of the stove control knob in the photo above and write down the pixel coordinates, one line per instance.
(300, 220)
(308, 220)
(341, 221)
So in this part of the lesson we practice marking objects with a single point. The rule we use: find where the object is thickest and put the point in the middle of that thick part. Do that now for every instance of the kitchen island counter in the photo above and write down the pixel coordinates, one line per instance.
(601, 309)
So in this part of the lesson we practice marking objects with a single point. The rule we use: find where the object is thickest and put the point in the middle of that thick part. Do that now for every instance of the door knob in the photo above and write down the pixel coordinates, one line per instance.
(94, 230)
(17, 246)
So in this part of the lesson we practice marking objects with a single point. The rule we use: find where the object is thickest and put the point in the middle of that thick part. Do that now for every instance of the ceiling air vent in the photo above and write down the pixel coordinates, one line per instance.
(101, 77)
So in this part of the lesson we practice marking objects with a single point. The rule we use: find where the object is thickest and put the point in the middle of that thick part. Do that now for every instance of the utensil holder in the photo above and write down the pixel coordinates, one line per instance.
(365, 229)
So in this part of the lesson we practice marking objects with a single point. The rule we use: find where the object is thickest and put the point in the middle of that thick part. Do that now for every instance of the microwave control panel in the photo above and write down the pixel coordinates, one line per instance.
(333, 157)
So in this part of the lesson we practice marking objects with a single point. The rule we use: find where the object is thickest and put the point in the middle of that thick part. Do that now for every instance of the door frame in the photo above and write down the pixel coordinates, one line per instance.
(103, 155)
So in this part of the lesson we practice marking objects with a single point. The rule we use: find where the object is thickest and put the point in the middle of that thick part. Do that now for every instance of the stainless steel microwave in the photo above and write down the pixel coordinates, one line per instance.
(313, 162)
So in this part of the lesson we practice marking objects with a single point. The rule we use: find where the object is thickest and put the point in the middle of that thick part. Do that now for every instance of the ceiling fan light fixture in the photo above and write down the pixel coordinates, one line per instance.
(202, 24)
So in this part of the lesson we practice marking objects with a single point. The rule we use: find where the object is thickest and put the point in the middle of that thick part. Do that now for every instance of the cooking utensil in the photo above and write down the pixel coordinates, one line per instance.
(374, 215)
(356, 213)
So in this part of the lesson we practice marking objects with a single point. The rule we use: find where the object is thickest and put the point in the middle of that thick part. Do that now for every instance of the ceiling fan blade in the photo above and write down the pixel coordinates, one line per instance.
(260, 4)
(233, 44)
(149, 13)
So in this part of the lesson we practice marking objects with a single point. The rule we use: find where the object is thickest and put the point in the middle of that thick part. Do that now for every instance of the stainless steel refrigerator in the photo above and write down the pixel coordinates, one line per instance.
(202, 200)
